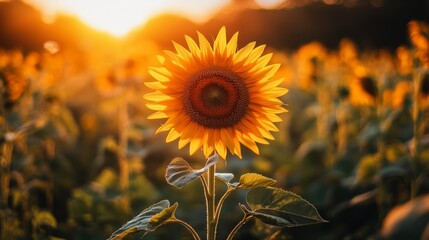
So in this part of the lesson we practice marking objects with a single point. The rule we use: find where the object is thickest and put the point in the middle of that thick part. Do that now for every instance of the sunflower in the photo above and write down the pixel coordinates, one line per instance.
(216, 98)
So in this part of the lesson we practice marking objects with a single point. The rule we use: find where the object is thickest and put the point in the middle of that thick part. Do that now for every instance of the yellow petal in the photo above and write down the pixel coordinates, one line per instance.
(257, 139)
(172, 135)
(266, 134)
(192, 46)
(249, 143)
(272, 84)
(157, 115)
(272, 70)
(232, 45)
(276, 92)
(237, 150)
(161, 59)
(183, 52)
(155, 85)
(255, 54)
(183, 142)
(207, 150)
(274, 118)
(220, 41)
(268, 125)
(156, 107)
(244, 52)
(157, 97)
(196, 144)
(164, 127)
(204, 44)
(227, 137)
(260, 64)
(162, 70)
(158, 76)
(221, 149)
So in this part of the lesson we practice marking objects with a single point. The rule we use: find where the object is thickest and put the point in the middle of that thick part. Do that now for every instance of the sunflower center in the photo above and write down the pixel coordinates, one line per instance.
(215, 97)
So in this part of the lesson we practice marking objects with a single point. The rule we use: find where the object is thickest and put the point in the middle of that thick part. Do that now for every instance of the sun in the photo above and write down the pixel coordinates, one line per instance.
(115, 17)
(120, 17)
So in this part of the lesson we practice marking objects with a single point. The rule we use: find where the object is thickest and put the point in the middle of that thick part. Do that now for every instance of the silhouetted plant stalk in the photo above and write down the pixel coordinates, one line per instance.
(342, 125)
(415, 140)
(6, 159)
(418, 35)
(124, 168)
(324, 99)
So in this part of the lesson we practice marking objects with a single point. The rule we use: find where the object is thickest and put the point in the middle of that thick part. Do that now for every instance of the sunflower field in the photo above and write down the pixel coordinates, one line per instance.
(87, 134)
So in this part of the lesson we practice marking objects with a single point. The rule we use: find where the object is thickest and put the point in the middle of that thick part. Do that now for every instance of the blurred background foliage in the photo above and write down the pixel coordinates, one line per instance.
(79, 158)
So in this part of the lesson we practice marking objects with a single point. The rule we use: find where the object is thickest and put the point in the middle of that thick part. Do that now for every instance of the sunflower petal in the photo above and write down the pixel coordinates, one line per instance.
(181, 50)
(160, 58)
(268, 125)
(249, 143)
(155, 85)
(183, 142)
(172, 135)
(192, 46)
(158, 76)
(221, 149)
(274, 118)
(220, 41)
(232, 45)
(244, 52)
(204, 44)
(164, 127)
(255, 54)
(272, 84)
(157, 115)
(276, 92)
(195, 144)
(227, 136)
(157, 97)
(156, 107)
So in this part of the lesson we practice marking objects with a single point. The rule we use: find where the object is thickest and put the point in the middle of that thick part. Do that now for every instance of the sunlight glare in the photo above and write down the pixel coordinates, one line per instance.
(269, 3)
(120, 17)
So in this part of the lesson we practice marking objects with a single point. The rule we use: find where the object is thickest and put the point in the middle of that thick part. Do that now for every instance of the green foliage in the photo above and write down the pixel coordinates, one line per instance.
(277, 207)
(224, 177)
(179, 173)
(148, 220)
(254, 180)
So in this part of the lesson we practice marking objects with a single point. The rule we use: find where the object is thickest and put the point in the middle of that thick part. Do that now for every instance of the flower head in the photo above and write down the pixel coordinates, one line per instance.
(216, 98)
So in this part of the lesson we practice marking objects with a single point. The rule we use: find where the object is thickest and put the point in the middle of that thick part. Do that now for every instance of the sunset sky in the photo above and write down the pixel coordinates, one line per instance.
(119, 17)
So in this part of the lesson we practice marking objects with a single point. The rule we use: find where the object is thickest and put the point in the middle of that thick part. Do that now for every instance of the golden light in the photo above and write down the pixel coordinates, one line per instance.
(118, 17)
(269, 3)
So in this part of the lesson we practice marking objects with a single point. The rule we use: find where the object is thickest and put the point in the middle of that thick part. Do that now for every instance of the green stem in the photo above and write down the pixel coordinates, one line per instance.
(238, 226)
(189, 227)
(211, 231)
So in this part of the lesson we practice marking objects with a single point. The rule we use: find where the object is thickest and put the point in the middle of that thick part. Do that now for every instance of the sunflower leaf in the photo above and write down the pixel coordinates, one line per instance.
(142, 222)
(179, 173)
(224, 177)
(254, 180)
(162, 217)
(277, 207)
